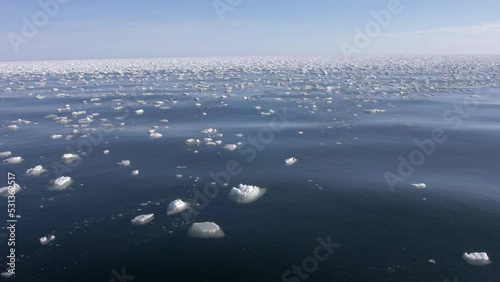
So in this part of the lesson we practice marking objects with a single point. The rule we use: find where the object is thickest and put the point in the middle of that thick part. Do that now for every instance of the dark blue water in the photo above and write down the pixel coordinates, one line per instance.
(336, 191)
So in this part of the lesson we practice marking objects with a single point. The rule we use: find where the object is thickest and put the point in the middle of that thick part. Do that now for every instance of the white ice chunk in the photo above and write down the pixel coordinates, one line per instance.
(205, 230)
(176, 206)
(60, 183)
(143, 219)
(5, 154)
(105, 152)
(56, 136)
(69, 158)
(6, 274)
(290, 161)
(139, 112)
(13, 160)
(124, 163)
(192, 141)
(47, 239)
(246, 194)
(36, 171)
(155, 135)
(477, 259)
(230, 147)
(10, 190)
(374, 111)
(12, 127)
(419, 185)
(135, 172)
(209, 131)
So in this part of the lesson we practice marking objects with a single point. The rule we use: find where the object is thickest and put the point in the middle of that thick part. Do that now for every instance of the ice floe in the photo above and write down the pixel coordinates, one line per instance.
(290, 161)
(205, 230)
(13, 160)
(10, 190)
(142, 219)
(246, 194)
(419, 185)
(135, 172)
(230, 147)
(477, 259)
(176, 206)
(7, 274)
(155, 135)
(60, 183)
(70, 158)
(5, 154)
(124, 163)
(36, 171)
(192, 141)
(47, 239)
(374, 111)
(56, 136)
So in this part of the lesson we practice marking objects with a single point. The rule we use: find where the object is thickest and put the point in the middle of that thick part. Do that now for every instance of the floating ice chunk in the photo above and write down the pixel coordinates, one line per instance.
(47, 239)
(230, 147)
(56, 136)
(69, 158)
(5, 154)
(246, 194)
(155, 135)
(374, 111)
(6, 274)
(205, 230)
(139, 112)
(9, 190)
(432, 261)
(179, 175)
(209, 131)
(291, 161)
(143, 219)
(477, 259)
(176, 206)
(211, 144)
(164, 121)
(419, 185)
(60, 183)
(135, 172)
(105, 152)
(36, 171)
(13, 160)
(12, 127)
(192, 141)
(124, 163)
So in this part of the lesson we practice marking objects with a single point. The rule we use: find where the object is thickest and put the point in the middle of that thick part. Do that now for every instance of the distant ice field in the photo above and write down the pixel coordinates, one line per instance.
(393, 158)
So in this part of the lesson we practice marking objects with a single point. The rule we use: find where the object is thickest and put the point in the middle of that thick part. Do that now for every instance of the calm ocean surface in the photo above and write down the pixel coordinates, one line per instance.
(314, 109)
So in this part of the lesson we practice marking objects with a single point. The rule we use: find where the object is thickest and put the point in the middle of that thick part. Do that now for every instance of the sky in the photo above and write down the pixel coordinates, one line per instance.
(95, 29)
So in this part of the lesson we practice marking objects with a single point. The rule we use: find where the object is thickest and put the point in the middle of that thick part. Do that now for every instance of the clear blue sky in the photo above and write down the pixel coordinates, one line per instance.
(163, 28)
